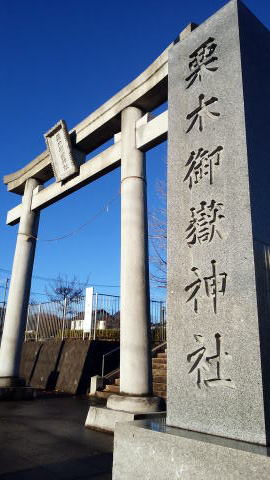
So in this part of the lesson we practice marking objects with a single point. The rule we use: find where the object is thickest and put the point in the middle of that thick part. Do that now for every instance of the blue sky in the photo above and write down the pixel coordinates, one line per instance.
(63, 59)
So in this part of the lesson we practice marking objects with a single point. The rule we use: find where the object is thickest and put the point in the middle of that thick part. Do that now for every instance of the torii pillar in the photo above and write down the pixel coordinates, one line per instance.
(18, 298)
(136, 396)
(135, 357)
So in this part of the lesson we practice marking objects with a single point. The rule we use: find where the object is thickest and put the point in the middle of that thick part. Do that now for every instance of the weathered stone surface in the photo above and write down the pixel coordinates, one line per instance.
(135, 404)
(63, 160)
(19, 290)
(64, 365)
(29, 359)
(71, 364)
(218, 197)
(150, 450)
(45, 371)
(102, 418)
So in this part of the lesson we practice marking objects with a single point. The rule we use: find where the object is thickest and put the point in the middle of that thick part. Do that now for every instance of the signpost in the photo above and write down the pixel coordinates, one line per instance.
(87, 323)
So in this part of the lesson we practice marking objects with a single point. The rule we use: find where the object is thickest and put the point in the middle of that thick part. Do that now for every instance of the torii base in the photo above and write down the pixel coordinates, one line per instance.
(123, 409)
(14, 388)
(17, 393)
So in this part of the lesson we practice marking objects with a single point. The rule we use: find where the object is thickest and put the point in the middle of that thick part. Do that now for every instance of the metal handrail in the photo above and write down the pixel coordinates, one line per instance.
(153, 351)
(158, 347)
(105, 355)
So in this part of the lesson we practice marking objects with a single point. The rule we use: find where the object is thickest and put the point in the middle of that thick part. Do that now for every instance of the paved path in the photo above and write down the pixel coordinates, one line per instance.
(45, 439)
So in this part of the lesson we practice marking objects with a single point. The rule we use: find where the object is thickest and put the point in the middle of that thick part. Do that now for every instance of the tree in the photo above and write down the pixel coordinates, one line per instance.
(158, 239)
(66, 292)
(63, 287)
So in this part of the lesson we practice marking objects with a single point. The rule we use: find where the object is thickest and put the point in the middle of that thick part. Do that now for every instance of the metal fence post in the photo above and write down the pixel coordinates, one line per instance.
(102, 368)
(164, 320)
(160, 323)
(26, 328)
(64, 318)
(52, 319)
(37, 326)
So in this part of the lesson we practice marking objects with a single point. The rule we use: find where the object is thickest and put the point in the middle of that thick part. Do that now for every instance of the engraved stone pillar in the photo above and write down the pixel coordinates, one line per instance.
(218, 228)
(16, 313)
(218, 317)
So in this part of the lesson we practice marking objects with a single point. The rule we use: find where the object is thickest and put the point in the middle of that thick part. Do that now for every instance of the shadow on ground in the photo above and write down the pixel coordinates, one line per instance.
(46, 439)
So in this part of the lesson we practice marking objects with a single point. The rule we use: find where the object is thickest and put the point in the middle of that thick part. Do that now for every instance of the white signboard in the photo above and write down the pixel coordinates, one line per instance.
(58, 142)
(87, 323)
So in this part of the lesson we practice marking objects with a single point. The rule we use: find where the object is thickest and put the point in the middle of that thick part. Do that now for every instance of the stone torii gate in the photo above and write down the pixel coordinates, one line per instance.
(126, 117)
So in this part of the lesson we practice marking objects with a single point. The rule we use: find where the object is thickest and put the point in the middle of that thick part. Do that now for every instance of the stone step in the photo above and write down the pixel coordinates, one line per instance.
(156, 361)
(159, 371)
(112, 388)
(159, 366)
(160, 387)
(117, 381)
(160, 379)
(102, 394)
(160, 393)
(162, 355)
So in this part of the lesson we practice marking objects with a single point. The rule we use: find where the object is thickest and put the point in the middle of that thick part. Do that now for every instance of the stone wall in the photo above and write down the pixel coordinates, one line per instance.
(66, 365)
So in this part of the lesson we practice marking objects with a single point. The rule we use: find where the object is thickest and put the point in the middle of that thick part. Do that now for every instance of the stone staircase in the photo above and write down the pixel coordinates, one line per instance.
(159, 371)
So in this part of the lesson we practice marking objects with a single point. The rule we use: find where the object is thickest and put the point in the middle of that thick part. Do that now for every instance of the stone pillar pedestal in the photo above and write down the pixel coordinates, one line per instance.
(133, 404)
(16, 312)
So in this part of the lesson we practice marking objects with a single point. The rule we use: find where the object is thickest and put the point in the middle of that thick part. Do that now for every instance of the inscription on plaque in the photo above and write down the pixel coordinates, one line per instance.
(58, 142)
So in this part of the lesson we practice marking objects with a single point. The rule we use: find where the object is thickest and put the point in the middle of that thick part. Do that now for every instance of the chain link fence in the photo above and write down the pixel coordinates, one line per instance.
(64, 319)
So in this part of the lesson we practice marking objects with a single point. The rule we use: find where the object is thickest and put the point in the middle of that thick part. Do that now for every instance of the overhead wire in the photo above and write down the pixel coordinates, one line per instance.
(105, 208)
(73, 232)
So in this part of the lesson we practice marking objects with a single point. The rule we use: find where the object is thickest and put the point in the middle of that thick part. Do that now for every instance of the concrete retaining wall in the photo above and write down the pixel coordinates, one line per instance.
(65, 365)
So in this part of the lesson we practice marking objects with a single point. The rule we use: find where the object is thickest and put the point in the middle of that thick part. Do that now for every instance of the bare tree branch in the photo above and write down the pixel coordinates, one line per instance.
(158, 239)
(63, 289)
